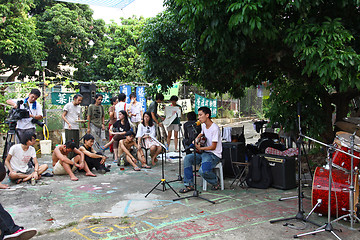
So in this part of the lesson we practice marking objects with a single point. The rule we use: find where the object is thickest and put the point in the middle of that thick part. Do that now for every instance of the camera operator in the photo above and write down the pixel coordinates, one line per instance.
(35, 113)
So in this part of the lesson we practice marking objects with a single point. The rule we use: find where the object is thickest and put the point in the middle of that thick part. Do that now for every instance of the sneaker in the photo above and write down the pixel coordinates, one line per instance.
(22, 234)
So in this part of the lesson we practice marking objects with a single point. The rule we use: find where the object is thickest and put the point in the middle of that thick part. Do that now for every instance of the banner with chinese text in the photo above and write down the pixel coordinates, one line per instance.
(140, 97)
(59, 98)
(206, 102)
(127, 90)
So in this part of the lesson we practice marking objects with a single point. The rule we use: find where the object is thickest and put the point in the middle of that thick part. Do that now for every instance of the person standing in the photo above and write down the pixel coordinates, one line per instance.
(35, 112)
(209, 158)
(96, 118)
(121, 105)
(112, 116)
(135, 111)
(71, 115)
(175, 124)
(153, 108)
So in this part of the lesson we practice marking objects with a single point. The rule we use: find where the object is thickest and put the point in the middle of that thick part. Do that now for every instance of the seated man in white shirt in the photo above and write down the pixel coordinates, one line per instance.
(210, 156)
(17, 161)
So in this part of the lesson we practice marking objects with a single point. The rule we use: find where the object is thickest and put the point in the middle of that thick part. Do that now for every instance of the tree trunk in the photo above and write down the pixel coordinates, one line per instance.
(16, 73)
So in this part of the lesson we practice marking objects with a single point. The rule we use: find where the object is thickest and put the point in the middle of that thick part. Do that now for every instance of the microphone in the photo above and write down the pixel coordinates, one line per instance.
(197, 123)
(298, 106)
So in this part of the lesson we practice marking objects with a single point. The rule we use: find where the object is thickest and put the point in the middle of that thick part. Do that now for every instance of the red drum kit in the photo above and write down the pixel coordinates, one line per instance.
(344, 190)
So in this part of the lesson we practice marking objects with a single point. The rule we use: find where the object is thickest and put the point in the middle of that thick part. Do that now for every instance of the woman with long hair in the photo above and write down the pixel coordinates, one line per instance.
(145, 135)
(118, 130)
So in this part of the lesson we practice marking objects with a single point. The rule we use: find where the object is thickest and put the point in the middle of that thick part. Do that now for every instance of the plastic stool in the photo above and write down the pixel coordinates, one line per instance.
(219, 172)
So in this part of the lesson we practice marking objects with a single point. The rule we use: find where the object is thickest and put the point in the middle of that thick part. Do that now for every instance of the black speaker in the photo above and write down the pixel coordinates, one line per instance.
(232, 152)
(88, 91)
(283, 171)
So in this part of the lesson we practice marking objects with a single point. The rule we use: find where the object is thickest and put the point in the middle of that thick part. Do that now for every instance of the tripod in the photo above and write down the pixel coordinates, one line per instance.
(300, 213)
(10, 138)
(196, 192)
(162, 180)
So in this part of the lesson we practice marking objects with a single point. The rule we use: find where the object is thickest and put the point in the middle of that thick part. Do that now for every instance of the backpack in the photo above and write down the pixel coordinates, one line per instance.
(259, 175)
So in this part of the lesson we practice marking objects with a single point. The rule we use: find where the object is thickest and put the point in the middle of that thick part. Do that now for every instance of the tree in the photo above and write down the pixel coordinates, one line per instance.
(308, 46)
(20, 47)
(67, 31)
(116, 57)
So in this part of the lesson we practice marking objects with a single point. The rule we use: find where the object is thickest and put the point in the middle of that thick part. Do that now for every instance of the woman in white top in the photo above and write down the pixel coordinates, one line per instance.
(134, 111)
(146, 134)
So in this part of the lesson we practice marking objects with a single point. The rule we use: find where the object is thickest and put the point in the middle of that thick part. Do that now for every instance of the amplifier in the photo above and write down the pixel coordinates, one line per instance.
(232, 152)
(283, 171)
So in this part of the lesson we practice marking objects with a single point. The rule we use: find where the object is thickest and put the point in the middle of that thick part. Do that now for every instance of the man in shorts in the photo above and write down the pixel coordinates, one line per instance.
(62, 165)
(126, 150)
(22, 162)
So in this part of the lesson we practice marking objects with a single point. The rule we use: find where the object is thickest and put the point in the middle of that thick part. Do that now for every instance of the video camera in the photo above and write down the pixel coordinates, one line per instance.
(17, 114)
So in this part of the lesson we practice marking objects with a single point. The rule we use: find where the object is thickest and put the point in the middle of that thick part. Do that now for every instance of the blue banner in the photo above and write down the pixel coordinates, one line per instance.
(127, 90)
(60, 98)
(140, 97)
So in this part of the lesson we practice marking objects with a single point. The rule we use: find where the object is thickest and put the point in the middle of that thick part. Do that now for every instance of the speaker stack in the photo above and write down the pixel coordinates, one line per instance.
(232, 152)
(88, 91)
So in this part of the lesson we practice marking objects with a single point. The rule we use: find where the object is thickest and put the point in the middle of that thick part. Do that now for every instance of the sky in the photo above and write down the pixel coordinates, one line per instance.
(145, 8)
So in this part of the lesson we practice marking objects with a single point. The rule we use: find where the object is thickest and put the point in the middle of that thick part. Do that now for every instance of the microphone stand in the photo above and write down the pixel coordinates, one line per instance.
(195, 192)
(300, 213)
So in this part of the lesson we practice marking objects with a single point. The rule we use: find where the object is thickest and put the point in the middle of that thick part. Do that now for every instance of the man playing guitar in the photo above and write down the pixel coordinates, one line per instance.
(210, 156)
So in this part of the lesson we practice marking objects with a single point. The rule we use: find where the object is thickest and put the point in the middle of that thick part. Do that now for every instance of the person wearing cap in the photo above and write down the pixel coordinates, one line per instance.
(127, 148)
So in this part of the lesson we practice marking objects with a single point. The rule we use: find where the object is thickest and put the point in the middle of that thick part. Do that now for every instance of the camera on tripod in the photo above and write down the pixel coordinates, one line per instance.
(17, 114)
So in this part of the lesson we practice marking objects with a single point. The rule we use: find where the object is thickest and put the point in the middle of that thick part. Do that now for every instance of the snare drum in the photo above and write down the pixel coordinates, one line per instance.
(340, 194)
(341, 160)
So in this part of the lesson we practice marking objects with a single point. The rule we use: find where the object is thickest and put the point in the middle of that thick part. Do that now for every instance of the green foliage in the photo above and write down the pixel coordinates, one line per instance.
(20, 47)
(307, 49)
(116, 56)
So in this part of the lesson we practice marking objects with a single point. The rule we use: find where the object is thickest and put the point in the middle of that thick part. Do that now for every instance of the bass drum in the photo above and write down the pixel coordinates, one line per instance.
(340, 194)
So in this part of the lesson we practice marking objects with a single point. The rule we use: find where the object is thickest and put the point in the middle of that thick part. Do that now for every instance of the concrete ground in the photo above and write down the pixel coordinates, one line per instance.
(113, 206)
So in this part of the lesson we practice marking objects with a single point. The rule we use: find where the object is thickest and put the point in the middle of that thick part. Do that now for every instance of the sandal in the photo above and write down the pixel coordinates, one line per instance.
(146, 166)
(137, 169)
(216, 187)
(187, 189)
(102, 148)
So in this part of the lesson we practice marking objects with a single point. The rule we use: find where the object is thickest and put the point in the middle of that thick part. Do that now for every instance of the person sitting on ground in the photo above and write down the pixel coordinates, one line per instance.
(209, 158)
(146, 135)
(127, 148)
(9, 230)
(62, 165)
(118, 130)
(92, 158)
(22, 162)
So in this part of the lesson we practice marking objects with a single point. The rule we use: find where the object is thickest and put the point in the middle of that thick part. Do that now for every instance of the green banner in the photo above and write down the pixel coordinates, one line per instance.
(173, 91)
(60, 98)
(206, 102)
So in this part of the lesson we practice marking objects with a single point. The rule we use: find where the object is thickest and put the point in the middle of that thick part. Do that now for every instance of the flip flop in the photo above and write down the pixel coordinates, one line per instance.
(102, 148)
(137, 169)
(146, 166)
(187, 189)
(20, 180)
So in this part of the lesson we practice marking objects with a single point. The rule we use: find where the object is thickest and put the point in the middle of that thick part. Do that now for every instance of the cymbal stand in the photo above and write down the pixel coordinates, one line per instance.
(327, 226)
(351, 214)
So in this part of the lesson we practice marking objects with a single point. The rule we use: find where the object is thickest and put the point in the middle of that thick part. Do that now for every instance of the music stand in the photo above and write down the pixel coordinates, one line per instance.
(162, 180)
(180, 178)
